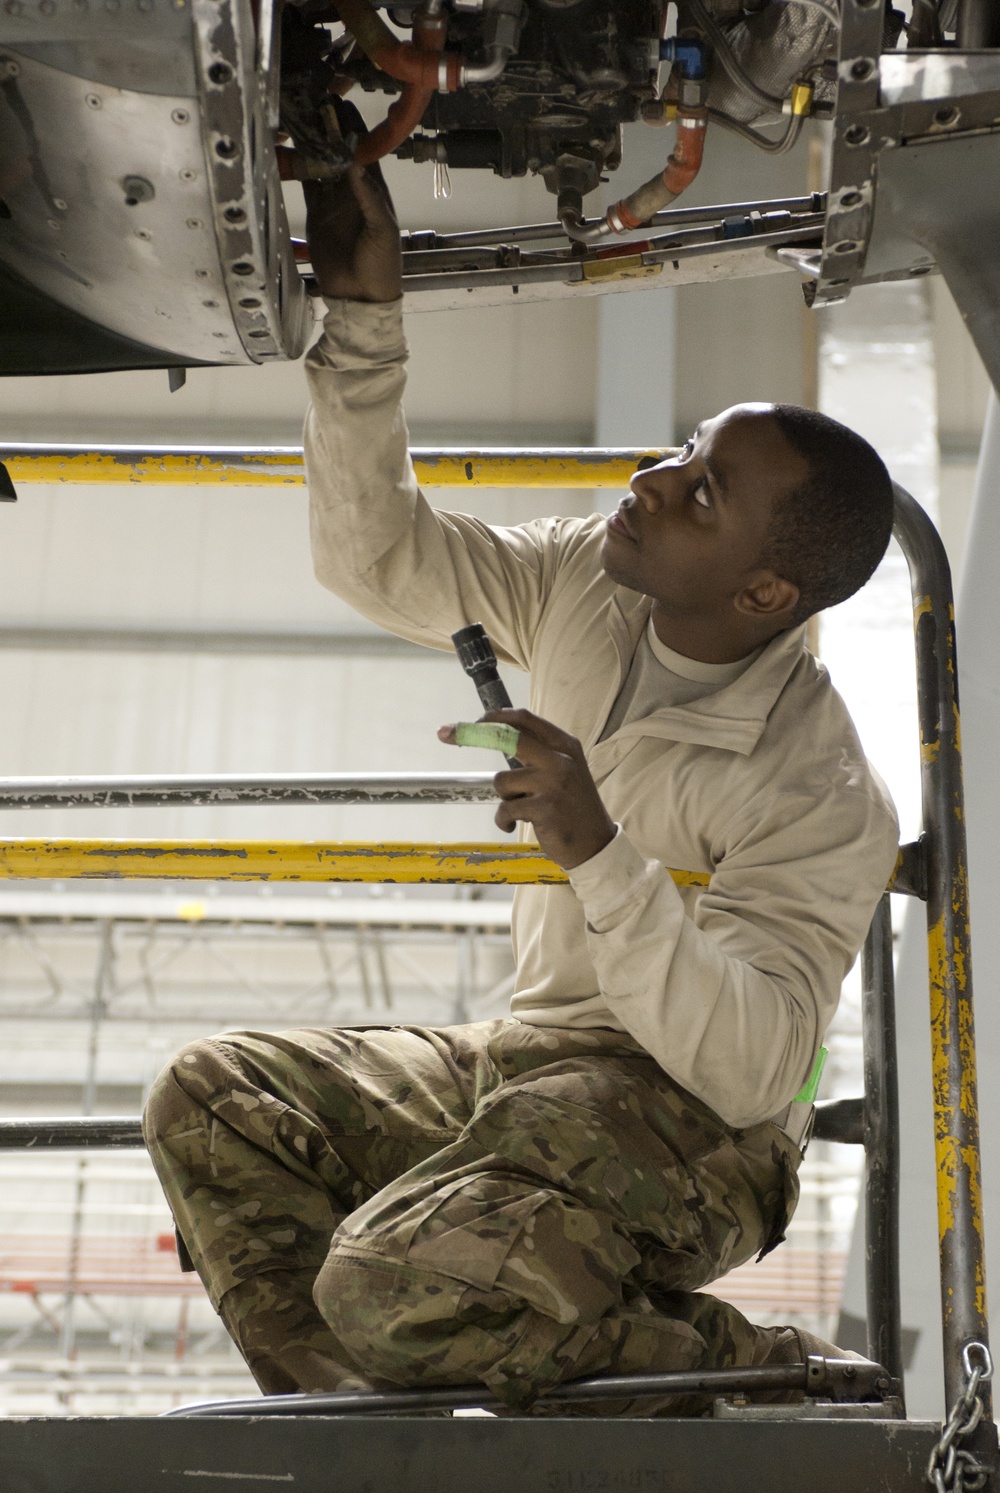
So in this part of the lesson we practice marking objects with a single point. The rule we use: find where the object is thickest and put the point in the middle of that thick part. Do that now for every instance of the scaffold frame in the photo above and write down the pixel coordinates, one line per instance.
(862, 1453)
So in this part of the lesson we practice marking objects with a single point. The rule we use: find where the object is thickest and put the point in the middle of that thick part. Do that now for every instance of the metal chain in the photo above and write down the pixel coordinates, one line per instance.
(953, 1468)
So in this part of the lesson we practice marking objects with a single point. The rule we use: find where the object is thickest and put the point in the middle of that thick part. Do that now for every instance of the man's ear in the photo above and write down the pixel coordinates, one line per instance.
(768, 596)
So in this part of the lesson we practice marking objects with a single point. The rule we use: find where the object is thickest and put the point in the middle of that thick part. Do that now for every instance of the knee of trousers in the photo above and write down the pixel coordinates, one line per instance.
(459, 1284)
(184, 1089)
(401, 1326)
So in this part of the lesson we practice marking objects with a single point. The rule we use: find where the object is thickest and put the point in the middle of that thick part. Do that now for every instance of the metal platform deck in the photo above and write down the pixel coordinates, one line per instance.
(474, 1455)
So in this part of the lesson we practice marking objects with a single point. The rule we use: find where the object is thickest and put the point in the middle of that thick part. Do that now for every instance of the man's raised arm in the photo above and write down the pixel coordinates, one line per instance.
(376, 541)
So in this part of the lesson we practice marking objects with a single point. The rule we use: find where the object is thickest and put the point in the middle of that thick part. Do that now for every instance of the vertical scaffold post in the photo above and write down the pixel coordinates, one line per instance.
(881, 1145)
(953, 1043)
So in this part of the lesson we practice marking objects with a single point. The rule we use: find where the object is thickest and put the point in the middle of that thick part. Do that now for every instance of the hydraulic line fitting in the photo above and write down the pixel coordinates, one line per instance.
(420, 62)
(687, 53)
(658, 111)
(639, 206)
(406, 112)
(799, 102)
(689, 57)
(503, 23)
(681, 169)
(405, 61)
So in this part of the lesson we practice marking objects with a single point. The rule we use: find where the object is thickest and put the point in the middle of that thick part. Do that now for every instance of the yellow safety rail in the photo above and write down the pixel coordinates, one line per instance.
(484, 863)
(570, 467)
(291, 860)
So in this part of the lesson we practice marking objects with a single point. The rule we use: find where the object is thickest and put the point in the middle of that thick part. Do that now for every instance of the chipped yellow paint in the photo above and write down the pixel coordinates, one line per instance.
(296, 860)
(570, 467)
(922, 605)
(956, 1124)
(231, 468)
(623, 267)
(264, 860)
(580, 468)
(309, 860)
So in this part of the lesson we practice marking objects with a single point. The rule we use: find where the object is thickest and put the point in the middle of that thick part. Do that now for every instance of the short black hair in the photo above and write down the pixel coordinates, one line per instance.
(828, 534)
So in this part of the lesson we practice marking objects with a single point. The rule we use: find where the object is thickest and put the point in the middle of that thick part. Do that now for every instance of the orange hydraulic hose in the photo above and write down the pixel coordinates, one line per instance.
(408, 110)
(678, 174)
(402, 60)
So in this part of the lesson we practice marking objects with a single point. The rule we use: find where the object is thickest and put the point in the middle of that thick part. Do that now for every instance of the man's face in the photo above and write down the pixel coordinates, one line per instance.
(692, 532)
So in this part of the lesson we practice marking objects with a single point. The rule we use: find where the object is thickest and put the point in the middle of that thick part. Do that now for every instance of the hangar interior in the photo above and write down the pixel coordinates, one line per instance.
(180, 630)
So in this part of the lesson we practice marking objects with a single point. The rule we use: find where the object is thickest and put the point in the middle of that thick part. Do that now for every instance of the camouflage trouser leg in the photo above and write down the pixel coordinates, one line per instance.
(263, 1143)
(500, 1203)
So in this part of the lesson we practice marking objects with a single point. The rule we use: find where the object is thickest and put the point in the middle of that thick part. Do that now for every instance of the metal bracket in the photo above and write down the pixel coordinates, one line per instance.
(853, 162)
(848, 1380)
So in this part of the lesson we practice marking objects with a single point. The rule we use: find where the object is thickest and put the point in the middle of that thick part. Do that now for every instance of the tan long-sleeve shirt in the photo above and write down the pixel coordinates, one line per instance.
(763, 783)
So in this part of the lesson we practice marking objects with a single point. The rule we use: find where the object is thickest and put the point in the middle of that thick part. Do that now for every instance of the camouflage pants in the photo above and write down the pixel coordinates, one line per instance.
(501, 1203)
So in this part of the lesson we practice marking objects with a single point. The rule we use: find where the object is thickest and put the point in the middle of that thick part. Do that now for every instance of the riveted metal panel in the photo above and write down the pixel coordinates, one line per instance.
(139, 187)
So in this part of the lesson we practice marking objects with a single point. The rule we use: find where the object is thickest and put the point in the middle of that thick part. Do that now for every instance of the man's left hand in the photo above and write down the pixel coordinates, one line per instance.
(552, 790)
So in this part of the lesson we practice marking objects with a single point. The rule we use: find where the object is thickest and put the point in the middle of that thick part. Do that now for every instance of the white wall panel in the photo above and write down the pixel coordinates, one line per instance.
(83, 713)
(184, 556)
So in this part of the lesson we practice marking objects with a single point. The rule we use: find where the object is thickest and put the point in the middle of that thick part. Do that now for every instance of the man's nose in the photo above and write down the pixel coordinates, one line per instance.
(650, 488)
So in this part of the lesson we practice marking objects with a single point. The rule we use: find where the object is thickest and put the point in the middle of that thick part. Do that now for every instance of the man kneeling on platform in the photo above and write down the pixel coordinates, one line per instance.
(533, 1200)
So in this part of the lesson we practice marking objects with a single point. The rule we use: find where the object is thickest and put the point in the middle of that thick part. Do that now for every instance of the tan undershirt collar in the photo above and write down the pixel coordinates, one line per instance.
(693, 668)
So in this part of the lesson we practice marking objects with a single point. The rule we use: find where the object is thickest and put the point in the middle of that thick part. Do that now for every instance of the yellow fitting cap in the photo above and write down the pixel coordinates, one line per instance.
(802, 97)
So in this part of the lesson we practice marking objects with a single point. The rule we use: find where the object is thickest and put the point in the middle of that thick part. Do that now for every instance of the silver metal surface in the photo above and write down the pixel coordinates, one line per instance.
(97, 101)
(852, 159)
(906, 77)
(916, 140)
(150, 271)
(254, 246)
(717, 264)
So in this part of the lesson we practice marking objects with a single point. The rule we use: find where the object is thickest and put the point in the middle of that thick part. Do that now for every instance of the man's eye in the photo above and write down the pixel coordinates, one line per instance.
(701, 495)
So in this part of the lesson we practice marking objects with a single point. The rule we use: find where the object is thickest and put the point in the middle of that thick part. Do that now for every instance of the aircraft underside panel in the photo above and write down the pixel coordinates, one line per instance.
(138, 190)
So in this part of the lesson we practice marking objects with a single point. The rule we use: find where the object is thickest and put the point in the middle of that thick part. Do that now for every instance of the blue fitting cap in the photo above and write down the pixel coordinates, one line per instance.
(688, 52)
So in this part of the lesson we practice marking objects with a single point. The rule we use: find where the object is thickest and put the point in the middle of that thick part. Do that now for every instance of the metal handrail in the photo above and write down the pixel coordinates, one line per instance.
(181, 791)
(839, 1120)
(485, 862)
(961, 1238)
(283, 466)
(74, 1133)
(844, 1381)
(880, 1138)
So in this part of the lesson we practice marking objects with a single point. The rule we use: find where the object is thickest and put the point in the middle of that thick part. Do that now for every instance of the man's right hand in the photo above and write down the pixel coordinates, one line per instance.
(354, 237)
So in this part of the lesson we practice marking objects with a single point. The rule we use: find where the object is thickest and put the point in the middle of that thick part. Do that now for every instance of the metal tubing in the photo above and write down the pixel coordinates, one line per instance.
(232, 788)
(817, 1376)
(292, 860)
(526, 232)
(881, 1141)
(401, 863)
(841, 1121)
(277, 466)
(570, 272)
(91, 1132)
(953, 1046)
